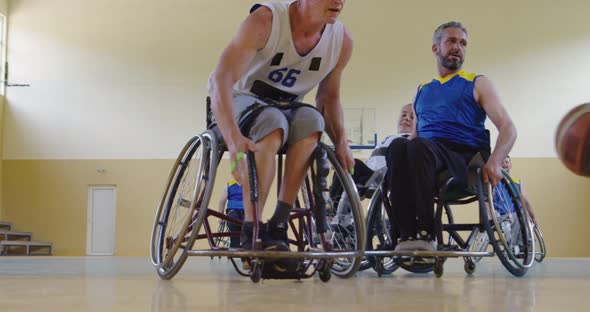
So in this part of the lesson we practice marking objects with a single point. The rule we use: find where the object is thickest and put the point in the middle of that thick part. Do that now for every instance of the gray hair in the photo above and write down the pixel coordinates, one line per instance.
(438, 32)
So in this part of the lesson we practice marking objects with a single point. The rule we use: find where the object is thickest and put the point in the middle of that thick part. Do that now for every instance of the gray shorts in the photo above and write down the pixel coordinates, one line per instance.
(296, 123)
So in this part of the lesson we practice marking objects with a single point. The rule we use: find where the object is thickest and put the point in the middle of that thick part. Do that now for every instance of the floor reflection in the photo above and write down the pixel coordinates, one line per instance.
(131, 284)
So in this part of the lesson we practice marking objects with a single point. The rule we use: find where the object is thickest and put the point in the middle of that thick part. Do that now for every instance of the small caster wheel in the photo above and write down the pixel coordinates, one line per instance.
(469, 267)
(379, 266)
(325, 274)
(438, 267)
(256, 272)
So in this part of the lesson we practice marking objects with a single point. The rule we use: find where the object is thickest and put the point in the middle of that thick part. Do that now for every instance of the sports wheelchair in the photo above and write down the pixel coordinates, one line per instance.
(326, 241)
(510, 235)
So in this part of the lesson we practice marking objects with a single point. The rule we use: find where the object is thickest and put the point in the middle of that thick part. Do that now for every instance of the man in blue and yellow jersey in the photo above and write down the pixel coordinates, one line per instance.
(507, 165)
(232, 195)
(450, 129)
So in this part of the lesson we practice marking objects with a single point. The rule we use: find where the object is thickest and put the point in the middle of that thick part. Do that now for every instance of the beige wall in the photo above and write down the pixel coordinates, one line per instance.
(1, 162)
(135, 71)
(120, 85)
(49, 197)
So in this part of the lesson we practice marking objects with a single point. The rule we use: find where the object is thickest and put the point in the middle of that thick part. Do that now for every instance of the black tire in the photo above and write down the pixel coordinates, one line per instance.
(256, 273)
(418, 268)
(349, 235)
(469, 267)
(369, 261)
(324, 272)
(540, 248)
(439, 268)
(379, 233)
(188, 189)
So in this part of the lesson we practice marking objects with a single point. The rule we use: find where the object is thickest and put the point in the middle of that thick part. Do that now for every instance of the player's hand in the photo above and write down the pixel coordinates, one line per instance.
(237, 147)
(492, 172)
(344, 156)
(530, 210)
(532, 215)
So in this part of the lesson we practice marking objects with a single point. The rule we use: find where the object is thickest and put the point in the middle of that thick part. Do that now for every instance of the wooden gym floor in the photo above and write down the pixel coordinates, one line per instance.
(131, 284)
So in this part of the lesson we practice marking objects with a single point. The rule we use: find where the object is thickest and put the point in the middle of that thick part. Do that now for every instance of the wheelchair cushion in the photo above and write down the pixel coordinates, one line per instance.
(457, 191)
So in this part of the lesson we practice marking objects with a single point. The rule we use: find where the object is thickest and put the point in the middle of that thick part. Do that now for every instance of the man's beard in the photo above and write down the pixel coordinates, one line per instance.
(451, 64)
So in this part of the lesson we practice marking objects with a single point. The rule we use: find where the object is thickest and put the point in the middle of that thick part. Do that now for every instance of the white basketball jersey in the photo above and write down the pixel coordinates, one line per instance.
(278, 72)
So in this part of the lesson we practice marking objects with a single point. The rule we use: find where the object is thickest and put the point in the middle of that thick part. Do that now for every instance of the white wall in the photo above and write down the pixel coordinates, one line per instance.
(126, 79)
(110, 79)
(535, 52)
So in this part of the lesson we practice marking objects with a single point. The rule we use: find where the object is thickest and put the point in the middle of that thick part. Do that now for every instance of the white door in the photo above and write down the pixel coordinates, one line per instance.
(101, 220)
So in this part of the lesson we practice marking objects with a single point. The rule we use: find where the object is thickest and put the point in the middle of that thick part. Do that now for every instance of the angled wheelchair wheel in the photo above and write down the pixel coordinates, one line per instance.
(345, 221)
(540, 249)
(379, 237)
(369, 261)
(222, 241)
(509, 232)
(183, 205)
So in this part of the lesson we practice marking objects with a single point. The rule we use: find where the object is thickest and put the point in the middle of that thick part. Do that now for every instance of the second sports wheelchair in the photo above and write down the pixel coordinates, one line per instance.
(509, 233)
(325, 240)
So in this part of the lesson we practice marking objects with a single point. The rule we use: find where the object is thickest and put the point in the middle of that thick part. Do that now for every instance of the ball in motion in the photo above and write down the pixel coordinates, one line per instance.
(572, 140)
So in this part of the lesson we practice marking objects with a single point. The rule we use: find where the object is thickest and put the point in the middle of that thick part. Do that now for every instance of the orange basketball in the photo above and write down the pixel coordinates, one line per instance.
(572, 140)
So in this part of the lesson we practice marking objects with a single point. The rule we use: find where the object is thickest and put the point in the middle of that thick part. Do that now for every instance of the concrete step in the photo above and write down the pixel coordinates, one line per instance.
(13, 235)
(5, 225)
(17, 247)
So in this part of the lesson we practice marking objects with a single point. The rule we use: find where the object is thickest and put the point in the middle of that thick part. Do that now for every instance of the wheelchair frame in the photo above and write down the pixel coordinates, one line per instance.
(170, 250)
(457, 246)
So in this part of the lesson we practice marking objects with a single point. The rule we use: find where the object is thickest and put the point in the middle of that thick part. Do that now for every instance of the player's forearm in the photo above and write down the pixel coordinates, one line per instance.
(504, 142)
(334, 119)
(222, 105)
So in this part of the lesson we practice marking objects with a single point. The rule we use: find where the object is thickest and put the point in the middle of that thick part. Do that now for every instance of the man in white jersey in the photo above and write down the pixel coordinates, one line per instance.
(405, 127)
(374, 169)
(281, 51)
(369, 176)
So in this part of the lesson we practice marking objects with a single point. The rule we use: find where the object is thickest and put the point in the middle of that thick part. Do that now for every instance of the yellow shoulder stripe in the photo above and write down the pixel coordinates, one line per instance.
(467, 76)
(463, 74)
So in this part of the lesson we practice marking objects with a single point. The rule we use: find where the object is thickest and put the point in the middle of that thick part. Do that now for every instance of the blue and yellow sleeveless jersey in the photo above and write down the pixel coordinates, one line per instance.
(502, 200)
(447, 110)
(234, 196)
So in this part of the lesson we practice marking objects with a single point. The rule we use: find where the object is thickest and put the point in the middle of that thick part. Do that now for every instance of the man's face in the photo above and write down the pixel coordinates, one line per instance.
(330, 9)
(507, 164)
(406, 120)
(451, 49)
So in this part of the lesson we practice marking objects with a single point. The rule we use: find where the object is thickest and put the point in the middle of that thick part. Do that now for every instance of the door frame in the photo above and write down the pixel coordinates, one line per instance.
(89, 220)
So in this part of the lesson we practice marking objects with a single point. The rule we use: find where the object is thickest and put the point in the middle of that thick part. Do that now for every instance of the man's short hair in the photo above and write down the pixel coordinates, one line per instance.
(438, 32)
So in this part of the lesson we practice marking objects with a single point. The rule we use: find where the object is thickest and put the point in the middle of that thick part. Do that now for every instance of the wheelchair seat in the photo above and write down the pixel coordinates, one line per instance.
(367, 189)
(452, 190)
